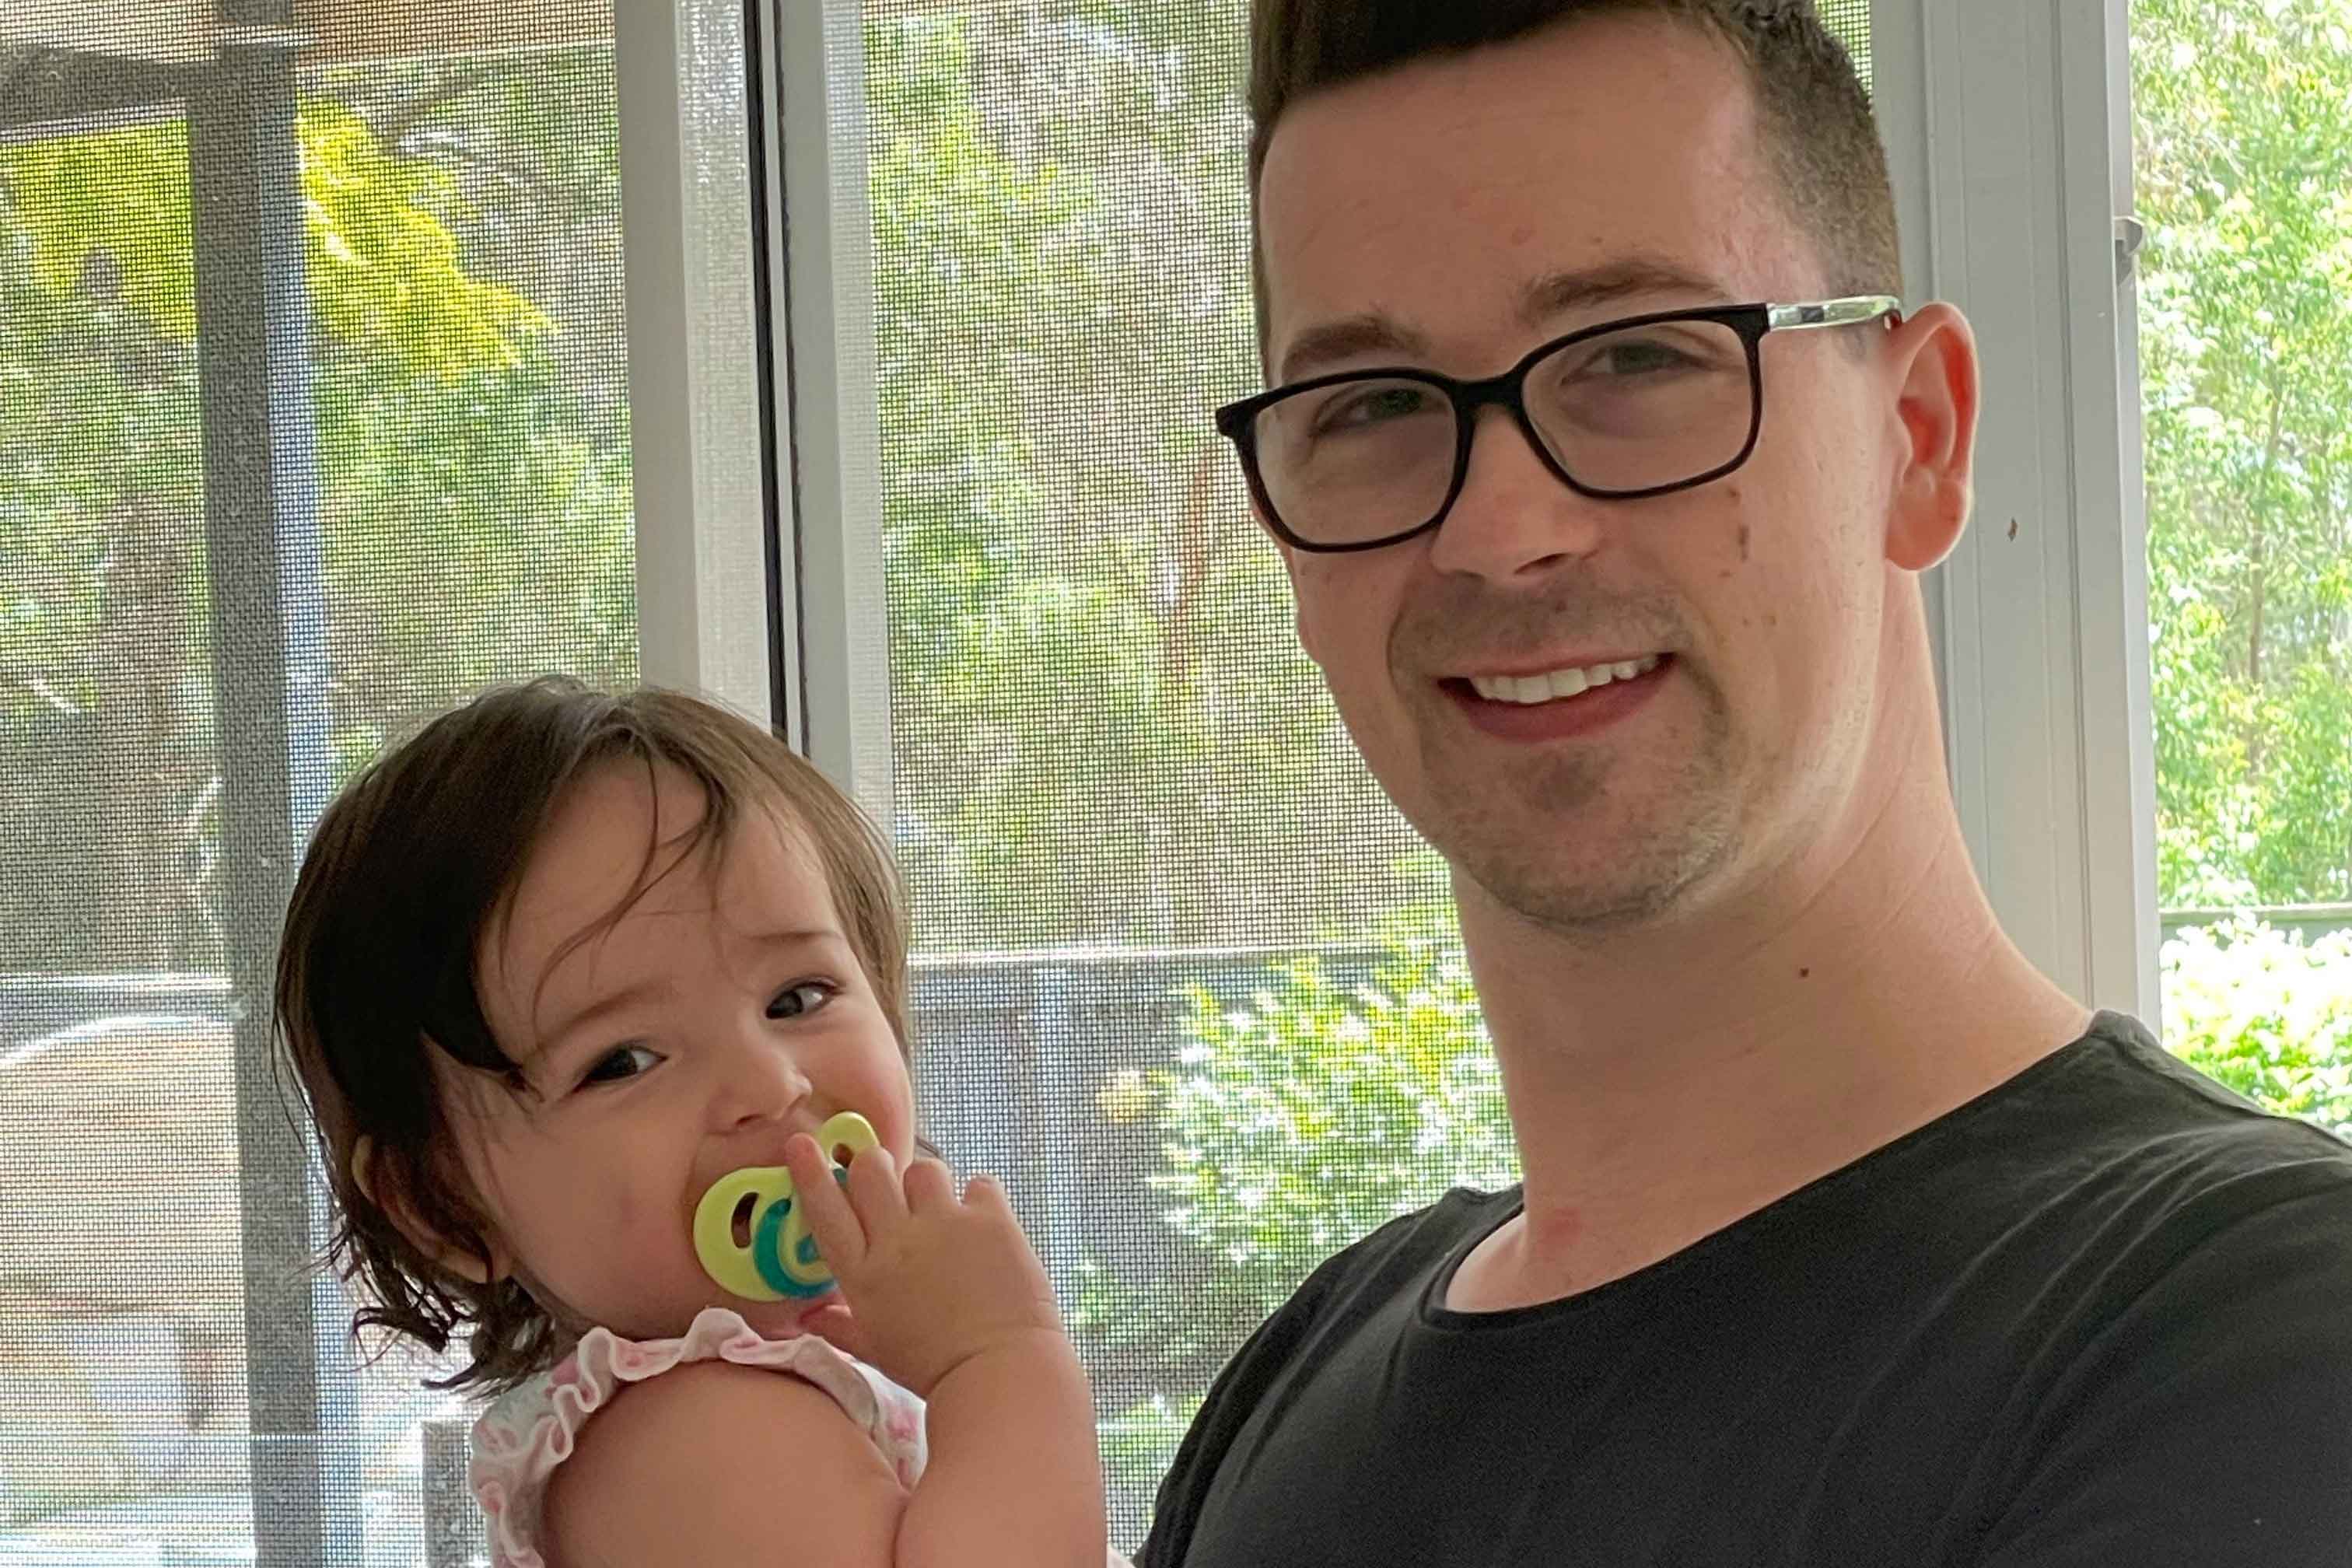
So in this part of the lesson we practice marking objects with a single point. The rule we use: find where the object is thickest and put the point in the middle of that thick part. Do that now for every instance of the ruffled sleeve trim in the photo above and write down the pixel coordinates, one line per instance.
(525, 1434)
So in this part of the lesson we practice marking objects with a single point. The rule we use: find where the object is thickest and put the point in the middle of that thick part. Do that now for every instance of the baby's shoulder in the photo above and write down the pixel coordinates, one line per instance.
(711, 1406)
(691, 1466)
(693, 1433)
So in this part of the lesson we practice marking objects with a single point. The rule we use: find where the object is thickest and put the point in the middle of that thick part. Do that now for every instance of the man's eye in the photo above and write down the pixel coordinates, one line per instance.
(799, 1001)
(1637, 357)
(1374, 404)
(621, 1062)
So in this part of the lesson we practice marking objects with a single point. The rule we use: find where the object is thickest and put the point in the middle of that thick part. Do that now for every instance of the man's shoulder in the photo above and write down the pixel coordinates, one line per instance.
(1406, 1249)
(2122, 1103)
(2111, 1172)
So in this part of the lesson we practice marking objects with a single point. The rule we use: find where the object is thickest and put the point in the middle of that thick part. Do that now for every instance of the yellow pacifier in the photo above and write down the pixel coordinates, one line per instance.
(779, 1259)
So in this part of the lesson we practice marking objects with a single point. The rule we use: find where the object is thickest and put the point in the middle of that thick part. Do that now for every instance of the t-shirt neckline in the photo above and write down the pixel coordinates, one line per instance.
(1430, 1309)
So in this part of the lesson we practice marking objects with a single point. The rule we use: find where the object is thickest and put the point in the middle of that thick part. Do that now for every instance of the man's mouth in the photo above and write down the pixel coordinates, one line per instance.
(1559, 685)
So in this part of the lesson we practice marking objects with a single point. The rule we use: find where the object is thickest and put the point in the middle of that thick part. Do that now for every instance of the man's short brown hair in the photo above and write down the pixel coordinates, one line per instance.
(1811, 110)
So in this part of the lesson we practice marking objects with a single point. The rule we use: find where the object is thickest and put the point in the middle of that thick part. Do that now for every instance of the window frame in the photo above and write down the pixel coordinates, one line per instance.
(699, 454)
(2041, 632)
(833, 615)
(758, 491)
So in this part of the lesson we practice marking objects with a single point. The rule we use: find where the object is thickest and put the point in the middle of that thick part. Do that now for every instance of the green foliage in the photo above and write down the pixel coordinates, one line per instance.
(1342, 1093)
(2246, 179)
(95, 423)
(1140, 1444)
(466, 375)
(474, 532)
(1090, 644)
(1320, 1110)
(2266, 1014)
(383, 260)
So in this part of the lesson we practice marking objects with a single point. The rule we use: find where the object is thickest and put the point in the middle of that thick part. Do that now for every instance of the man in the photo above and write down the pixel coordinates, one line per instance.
(1846, 1236)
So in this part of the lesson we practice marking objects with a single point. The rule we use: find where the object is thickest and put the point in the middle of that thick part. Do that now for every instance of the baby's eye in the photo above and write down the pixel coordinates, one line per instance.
(621, 1062)
(799, 1001)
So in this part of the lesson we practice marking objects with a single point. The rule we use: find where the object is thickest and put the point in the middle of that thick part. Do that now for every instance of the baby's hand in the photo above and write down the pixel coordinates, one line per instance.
(931, 1281)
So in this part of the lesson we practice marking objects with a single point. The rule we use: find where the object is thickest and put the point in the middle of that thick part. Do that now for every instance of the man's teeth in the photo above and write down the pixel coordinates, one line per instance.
(1530, 689)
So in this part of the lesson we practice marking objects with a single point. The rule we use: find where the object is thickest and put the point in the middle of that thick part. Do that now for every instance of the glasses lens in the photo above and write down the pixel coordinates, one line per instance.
(1645, 406)
(1358, 461)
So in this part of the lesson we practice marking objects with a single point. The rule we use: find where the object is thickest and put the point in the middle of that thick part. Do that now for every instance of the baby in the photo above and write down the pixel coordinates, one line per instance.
(551, 969)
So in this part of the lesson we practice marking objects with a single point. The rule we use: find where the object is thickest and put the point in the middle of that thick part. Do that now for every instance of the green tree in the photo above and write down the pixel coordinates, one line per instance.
(1093, 668)
(2245, 117)
(2268, 1013)
(464, 272)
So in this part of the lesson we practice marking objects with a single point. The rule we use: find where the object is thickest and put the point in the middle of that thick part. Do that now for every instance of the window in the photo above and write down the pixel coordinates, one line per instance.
(1184, 975)
(312, 418)
(2245, 148)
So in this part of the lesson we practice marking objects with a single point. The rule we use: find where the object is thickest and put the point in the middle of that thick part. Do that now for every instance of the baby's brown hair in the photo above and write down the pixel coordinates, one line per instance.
(409, 868)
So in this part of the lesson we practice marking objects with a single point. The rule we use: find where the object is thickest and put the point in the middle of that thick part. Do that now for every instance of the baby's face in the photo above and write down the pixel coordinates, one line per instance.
(725, 1012)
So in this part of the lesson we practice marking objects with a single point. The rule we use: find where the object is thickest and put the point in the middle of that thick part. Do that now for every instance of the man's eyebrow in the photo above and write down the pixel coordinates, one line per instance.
(1557, 294)
(1545, 299)
(1330, 341)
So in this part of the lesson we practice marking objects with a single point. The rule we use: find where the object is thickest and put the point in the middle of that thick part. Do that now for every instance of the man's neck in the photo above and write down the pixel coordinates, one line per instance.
(1667, 1082)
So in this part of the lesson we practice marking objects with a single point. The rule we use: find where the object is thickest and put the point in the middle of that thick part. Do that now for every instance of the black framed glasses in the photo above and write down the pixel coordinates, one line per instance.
(1621, 411)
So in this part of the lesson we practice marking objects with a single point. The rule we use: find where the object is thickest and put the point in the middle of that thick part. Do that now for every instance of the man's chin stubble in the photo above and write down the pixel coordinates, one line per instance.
(1596, 896)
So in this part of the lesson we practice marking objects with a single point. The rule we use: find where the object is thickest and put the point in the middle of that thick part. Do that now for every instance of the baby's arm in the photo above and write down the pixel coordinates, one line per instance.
(1014, 1475)
(719, 1463)
(947, 1297)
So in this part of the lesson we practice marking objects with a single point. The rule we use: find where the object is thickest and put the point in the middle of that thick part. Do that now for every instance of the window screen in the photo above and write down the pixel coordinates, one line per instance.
(2245, 148)
(1850, 20)
(311, 419)
(1184, 975)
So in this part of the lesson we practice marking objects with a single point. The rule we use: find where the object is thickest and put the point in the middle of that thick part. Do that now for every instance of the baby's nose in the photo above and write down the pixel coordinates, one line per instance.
(759, 1083)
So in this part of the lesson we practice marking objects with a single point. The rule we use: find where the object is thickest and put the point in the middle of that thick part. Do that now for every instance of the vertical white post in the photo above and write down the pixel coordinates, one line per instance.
(2008, 125)
(696, 429)
(837, 668)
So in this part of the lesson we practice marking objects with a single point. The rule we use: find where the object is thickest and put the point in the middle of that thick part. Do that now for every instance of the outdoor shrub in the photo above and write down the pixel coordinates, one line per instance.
(1304, 1119)
(2267, 1014)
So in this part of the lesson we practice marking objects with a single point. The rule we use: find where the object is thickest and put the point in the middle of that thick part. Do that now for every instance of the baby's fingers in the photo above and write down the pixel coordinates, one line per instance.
(873, 1189)
(928, 1186)
(840, 1234)
(985, 1192)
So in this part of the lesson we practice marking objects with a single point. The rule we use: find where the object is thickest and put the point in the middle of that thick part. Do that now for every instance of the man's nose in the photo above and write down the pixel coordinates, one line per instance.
(1514, 514)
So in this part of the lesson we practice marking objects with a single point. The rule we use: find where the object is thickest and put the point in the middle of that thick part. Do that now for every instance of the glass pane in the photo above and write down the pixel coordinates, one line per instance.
(331, 483)
(2244, 147)
(1183, 973)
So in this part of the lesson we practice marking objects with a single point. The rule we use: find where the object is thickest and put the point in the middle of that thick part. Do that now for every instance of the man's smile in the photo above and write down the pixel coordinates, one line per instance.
(1568, 680)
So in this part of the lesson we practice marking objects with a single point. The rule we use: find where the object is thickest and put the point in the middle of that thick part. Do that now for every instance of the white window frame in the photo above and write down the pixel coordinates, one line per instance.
(2009, 130)
(758, 472)
(699, 450)
(837, 640)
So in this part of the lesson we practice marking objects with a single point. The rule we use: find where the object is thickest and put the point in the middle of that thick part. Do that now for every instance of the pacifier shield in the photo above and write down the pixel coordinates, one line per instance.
(779, 1259)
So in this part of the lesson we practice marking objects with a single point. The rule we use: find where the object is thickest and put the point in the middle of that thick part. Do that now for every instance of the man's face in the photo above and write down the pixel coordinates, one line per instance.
(1465, 210)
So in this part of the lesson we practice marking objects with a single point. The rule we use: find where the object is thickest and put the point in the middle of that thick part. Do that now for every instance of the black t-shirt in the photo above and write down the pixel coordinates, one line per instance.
(2101, 1315)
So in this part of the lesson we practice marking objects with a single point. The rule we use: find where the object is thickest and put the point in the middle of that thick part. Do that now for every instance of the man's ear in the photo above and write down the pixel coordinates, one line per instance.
(385, 1189)
(1937, 391)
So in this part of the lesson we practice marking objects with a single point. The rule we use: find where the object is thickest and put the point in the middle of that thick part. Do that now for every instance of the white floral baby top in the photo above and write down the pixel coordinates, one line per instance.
(531, 1429)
